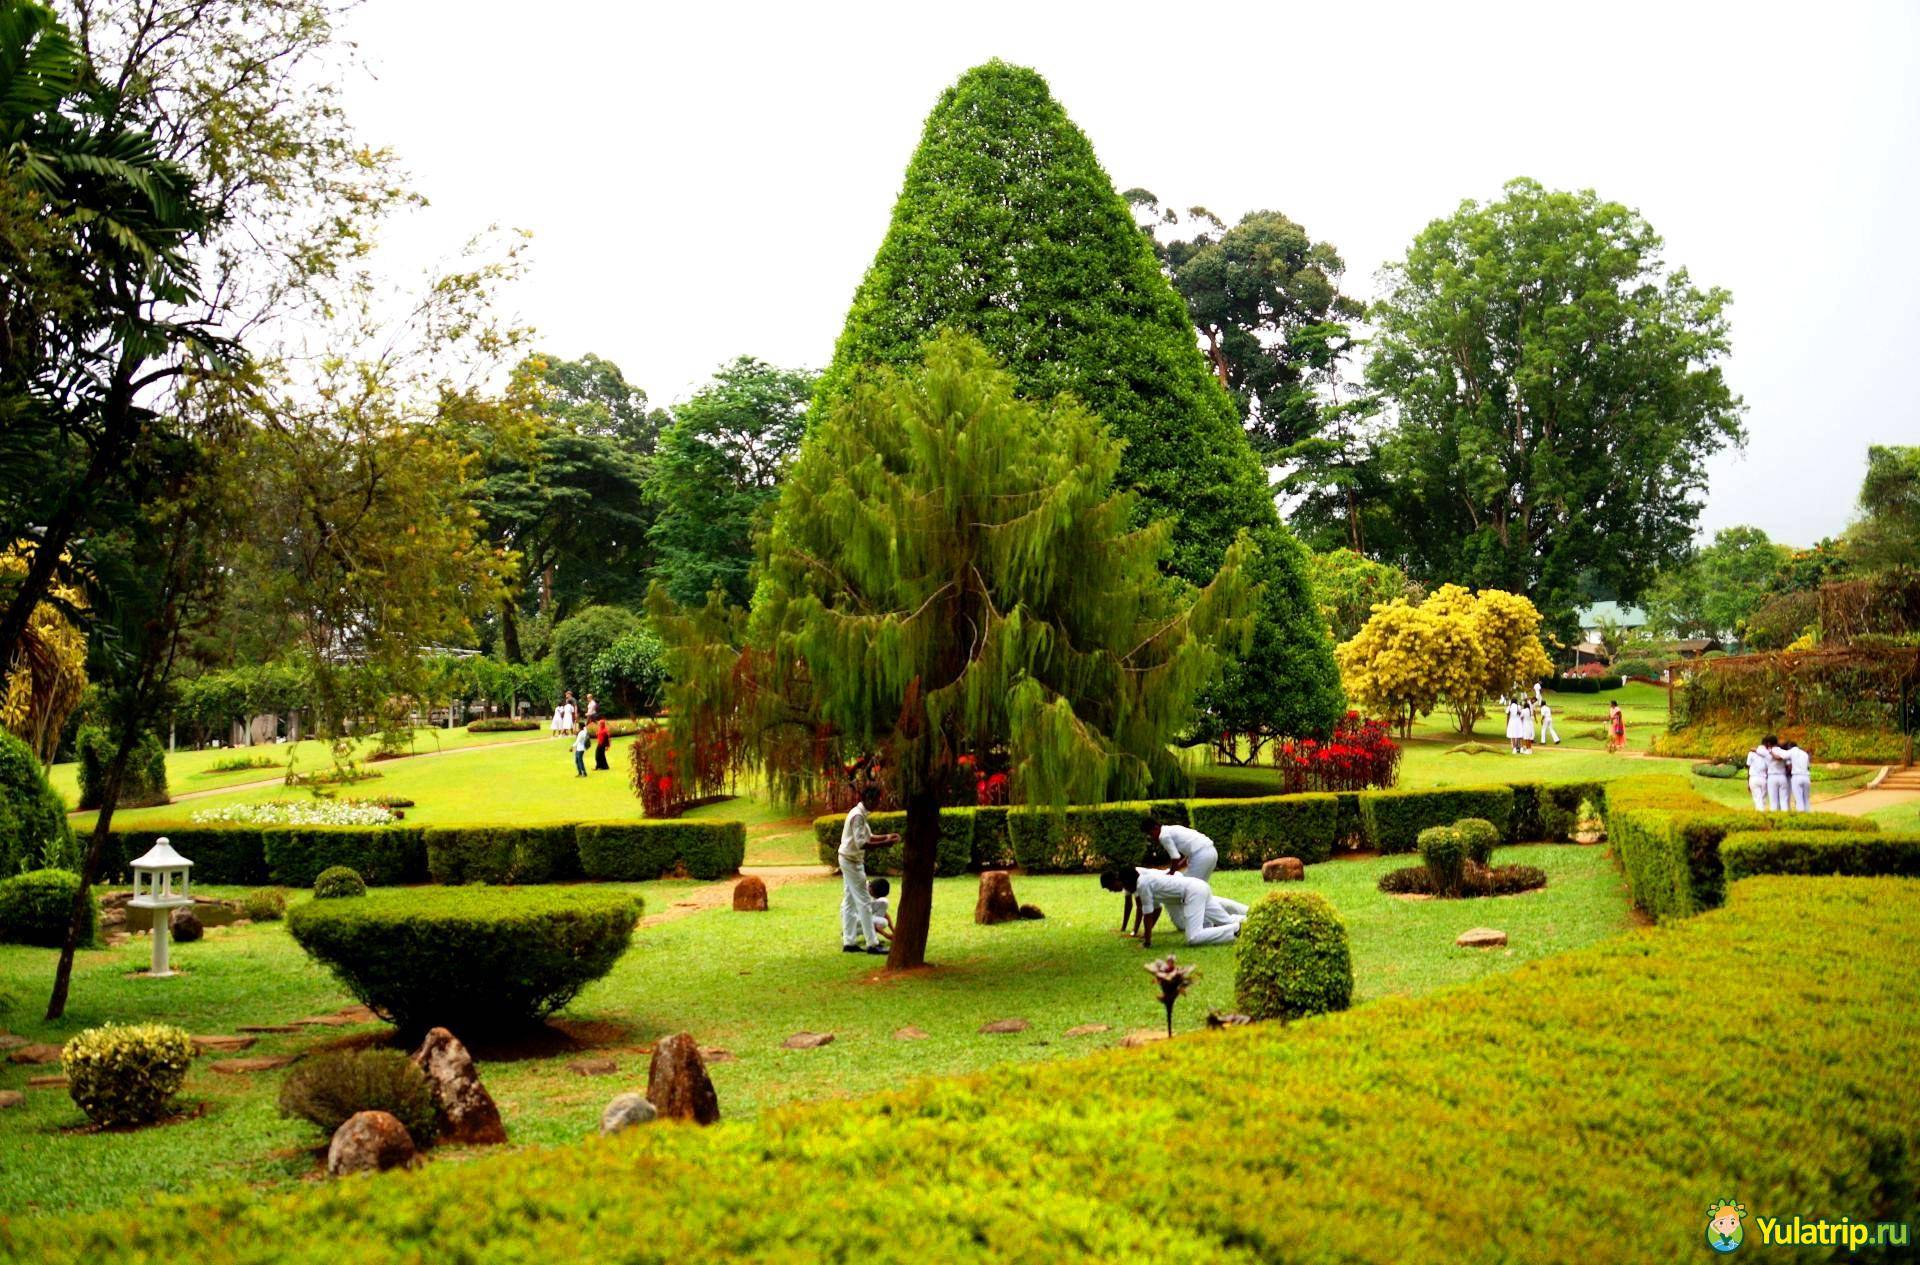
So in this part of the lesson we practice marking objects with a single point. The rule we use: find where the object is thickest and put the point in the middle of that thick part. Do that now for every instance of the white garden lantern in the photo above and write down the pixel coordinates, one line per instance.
(161, 883)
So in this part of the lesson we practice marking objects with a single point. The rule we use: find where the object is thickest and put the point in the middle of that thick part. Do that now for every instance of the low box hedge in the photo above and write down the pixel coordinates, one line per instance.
(634, 851)
(220, 854)
(502, 854)
(1862, 854)
(954, 856)
(475, 960)
(1624, 1088)
(1548, 812)
(383, 855)
(1248, 832)
(1086, 839)
(1666, 838)
(1391, 821)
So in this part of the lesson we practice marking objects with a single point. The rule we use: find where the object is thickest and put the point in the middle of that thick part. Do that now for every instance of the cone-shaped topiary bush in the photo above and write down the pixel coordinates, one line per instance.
(1291, 958)
(338, 881)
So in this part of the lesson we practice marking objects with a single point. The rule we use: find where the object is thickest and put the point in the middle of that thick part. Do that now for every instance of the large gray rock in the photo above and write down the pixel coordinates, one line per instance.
(677, 1081)
(468, 1116)
(369, 1142)
(626, 1111)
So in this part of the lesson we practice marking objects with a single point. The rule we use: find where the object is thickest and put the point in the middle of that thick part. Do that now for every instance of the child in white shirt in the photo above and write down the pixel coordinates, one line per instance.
(879, 889)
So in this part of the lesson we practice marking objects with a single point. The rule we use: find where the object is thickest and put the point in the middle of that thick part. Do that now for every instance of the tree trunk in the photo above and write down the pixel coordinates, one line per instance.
(90, 871)
(509, 632)
(920, 850)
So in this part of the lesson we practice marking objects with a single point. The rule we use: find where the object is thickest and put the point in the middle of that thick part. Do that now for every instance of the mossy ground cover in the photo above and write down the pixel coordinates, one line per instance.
(742, 982)
(1574, 1109)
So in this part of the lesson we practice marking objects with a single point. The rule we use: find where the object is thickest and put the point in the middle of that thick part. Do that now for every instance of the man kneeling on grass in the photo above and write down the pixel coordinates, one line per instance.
(1204, 917)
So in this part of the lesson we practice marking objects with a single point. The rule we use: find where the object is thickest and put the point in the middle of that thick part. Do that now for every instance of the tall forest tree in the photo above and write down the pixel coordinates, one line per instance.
(1008, 228)
(1555, 391)
(718, 471)
(1713, 592)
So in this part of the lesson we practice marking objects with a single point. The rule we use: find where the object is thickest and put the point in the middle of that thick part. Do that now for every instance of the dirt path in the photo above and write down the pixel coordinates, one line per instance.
(720, 895)
(1898, 786)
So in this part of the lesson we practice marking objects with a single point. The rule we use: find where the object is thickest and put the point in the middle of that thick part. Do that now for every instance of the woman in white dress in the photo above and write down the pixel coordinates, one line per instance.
(1513, 726)
(558, 726)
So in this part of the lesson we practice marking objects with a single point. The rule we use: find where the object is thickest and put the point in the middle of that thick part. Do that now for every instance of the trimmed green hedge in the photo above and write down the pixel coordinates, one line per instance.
(956, 850)
(35, 906)
(1248, 832)
(1604, 1094)
(631, 851)
(220, 854)
(1392, 820)
(502, 854)
(383, 855)
(1666, 838)
(1548, 812)
(475, 960)
(1862, 854)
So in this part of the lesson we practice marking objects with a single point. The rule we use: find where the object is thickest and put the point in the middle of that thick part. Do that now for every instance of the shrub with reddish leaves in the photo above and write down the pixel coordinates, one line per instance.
(1359, 756)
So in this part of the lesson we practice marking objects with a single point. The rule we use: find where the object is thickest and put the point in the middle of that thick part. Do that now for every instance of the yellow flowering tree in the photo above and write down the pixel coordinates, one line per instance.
(1456, 649)
(48, 675)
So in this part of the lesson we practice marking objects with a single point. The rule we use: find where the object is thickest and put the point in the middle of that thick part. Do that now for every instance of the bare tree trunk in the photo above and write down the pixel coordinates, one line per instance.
(77, 919)
(509, 632)
(920, 850)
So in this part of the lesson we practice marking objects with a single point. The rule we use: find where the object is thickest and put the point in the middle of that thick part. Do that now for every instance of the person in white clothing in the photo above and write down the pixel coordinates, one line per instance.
(556, 728)
(1799, 777)
(1526, 728)
(1546, 723)
(856, 902)
(1187, 899)
(1538, 700)
(1513, 727)
(1758, 761)
(1778, 775)
(1187, 850)
(879, 889)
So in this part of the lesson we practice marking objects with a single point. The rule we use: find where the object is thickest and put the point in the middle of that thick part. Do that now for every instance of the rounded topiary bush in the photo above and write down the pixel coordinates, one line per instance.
(1479, 837)
(1445, 855)
(35, 906)
(329, 1088)
(475, 960)
(1291, 958)
(126, 1073)
(338, 880)
(266, 904)
(33, 818)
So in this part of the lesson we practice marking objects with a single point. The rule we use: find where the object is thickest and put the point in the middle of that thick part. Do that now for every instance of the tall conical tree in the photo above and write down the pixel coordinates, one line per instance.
(1008, 228)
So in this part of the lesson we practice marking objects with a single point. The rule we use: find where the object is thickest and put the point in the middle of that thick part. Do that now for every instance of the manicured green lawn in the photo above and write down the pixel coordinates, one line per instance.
(742, 982)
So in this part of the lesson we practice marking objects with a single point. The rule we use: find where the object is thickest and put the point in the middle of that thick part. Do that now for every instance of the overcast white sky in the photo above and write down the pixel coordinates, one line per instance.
(708, 179)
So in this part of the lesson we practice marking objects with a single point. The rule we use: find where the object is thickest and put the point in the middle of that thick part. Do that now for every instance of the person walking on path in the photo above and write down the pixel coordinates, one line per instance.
(1187, 850)
(1616, 727)
(602, 738)
(856, 900)
(580, 752)
(1546, 723)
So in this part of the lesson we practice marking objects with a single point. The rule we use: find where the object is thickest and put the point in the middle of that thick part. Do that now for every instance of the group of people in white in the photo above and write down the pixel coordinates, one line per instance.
(568, 716)
(1523, 715)
(1180, 889)
(1780, 776)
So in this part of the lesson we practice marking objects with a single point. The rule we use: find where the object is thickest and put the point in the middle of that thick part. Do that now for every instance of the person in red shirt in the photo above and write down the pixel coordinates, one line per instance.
(601, 738)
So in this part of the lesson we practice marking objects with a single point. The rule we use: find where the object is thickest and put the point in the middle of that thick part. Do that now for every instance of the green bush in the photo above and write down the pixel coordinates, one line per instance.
(1639, 667)
(502, 725)
(632, 851)
(1584, 684)
(1789, 851)
(329, 1088)
(384, 855)
(35, 906)
(265, 904)
(1393, 820)
(992, 843)
(1291, 958)
(1475, 880)
(126, 1073)
(1248, 832)
(1666, 838)
(145, 781)
(233, 855)
(954, 853)
(1549, 812)
(1444, 853)
(476, 960)
(1357, 1105)
(33, 818)
(1085, 840)
(1478, 838)
(337, 883)
(502, 854)
(630, 674)
(582, 637)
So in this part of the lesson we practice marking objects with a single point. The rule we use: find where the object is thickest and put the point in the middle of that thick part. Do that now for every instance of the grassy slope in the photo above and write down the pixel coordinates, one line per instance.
(1584, 1108)
(745, 983)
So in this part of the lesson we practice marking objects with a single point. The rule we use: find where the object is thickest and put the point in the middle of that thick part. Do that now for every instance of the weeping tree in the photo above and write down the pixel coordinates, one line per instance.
(951, 573)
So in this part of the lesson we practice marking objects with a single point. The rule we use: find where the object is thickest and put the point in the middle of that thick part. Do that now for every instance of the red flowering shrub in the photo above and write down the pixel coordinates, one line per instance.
(1359, 756)
(662, 783)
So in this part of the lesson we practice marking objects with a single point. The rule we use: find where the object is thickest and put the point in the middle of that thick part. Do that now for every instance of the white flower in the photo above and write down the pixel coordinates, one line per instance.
(297, 812)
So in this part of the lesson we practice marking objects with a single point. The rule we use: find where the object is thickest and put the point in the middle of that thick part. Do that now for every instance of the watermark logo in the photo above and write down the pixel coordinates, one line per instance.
(1724, 1231)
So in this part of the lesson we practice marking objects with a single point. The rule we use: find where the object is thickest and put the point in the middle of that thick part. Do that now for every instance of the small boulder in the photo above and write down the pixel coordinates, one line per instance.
(626, 1111)
(1215, 1019)
(1143, 1036)
(1086, 1029)
(996, 903)
(593, 1067)
(909, 1033)
(714, 1054)
(750, 895)
(468, 1116)
(186, 926)
(34, 1052)
(369, 1142)
(1482, 938)
(1283, 870)
(677, 1081)
(222, 1044)
(1031, 913)
(58, 1081)
(11, 1098)
(1005, 1025)
(8, 1041)
(808, 1040)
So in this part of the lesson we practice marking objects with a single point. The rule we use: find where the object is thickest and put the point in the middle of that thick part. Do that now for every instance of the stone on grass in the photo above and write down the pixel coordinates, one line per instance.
(714, 1054)
(1031, 913)
(266, 1028)
(1482, 938)
(1143, 1036)
(626, 1111)
(369, 1142)
(257, 1063)
(1086, 1029)
(677, 1081)
(468, 1116)
(11, 1098)
(8, 1041)
(996, 903)
(593, 1067)
(222, 1044)
(47, 1082)
(1283, 870)
(750, 895)
(1005, 1025)
(808, 1040)
(909, 1033)
(186, 926)
(1215, 1019)
(35, 1052)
